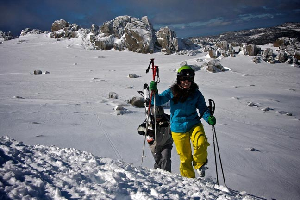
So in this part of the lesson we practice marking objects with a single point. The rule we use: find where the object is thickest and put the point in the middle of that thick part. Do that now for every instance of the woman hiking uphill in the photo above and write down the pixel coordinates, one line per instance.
(185, 99)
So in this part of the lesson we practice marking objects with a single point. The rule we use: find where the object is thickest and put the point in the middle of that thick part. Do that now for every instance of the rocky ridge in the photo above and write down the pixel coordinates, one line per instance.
(138, 35)
(286, 38)
(123, 32)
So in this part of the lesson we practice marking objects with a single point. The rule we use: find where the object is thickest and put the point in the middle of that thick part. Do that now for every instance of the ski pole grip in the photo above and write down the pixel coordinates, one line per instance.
(145, 86)
(211, 106)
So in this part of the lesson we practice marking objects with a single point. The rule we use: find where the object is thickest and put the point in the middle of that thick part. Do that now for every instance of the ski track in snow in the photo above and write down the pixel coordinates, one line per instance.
(113, 146)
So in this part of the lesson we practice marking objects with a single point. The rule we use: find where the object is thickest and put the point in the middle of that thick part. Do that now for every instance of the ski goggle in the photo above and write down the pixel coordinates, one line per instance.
(186, 78)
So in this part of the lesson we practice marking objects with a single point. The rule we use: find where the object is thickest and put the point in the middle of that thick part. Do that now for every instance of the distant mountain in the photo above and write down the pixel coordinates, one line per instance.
(258, 36)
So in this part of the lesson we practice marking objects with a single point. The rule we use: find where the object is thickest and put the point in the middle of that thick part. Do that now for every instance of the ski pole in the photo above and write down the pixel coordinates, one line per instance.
(214, 131)
(212, 110)
(215, 140)
(216, 164)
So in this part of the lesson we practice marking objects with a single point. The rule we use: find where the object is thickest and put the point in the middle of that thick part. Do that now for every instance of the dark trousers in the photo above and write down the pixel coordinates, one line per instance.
(162, 157)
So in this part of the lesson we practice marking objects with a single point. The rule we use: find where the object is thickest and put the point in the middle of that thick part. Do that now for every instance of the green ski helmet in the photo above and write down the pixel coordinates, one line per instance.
(185, 73)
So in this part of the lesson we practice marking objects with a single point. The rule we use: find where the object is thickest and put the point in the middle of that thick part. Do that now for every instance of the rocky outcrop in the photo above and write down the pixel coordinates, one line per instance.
(139, 36)
(116, 26)
(167, 40)
(282, 56)
(104, 43)
(251, 50)
(126, 32)
(95, 29)
(62, 29)
(6, 36)
(30, 31)
(59, 24)
(257, 36)
(224, 45)
(214, 66)
(213, 53)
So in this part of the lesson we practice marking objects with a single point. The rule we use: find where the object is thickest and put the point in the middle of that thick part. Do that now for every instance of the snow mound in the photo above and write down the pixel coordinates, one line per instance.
(49, 172)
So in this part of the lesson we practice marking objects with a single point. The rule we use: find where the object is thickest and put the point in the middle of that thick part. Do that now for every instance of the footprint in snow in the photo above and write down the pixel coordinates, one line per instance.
(267, 109)
(40, 135)
(285, 113)
(18, 97)
(252, 104)
(251, 149)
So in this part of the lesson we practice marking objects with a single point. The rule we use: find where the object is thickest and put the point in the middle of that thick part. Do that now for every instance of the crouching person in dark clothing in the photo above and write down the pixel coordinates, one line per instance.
(162, 145)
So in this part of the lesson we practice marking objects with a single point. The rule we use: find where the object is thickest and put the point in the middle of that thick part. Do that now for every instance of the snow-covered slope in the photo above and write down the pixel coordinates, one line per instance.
(49, 172)
(257, 111)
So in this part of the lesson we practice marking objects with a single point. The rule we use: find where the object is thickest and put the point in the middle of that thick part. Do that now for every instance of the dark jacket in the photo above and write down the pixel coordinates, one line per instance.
(163, 132)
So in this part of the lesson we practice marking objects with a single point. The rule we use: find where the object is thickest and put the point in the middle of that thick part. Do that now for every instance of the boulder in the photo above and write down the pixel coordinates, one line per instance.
(104, 43)
(223, 45)
(125, 32)
(37, 72)
(120, 110)
(297, 56)
(282, 57)
(137, 102)
(252, 50)
(213, 53)
(139, 36)
(133, 76)
(271, 60)
(267, 52)
(59, 24)
(256, 59)
(214, 66)
(166, 38)
(62, 29)
(113, 95)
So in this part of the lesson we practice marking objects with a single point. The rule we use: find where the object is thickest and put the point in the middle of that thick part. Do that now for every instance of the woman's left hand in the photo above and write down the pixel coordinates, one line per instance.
(211, 120)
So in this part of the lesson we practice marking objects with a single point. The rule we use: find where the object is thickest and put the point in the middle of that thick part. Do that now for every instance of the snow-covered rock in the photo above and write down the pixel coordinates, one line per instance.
(125, 32)
(166, 38)
(30, 31)
(214, 66)
(5, 36)
(63, 29)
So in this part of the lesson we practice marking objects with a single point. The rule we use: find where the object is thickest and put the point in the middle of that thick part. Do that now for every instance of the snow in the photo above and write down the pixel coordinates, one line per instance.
(61, 137)
(49, 172)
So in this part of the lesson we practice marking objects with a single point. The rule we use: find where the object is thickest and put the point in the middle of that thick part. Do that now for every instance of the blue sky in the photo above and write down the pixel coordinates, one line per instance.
(186, 17)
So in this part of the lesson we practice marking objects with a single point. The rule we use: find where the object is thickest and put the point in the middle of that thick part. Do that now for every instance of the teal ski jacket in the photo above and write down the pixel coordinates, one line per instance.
(183, 116)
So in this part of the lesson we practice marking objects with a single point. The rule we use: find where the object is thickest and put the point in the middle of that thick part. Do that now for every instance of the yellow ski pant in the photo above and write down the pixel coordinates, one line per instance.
(188, 161)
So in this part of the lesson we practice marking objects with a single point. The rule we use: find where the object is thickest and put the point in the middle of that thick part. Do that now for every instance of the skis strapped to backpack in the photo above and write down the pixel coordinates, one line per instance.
(148, 100)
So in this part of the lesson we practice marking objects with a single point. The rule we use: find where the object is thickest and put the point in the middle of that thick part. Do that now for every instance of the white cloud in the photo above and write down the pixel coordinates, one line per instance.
(248, 17)
(212, 22)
